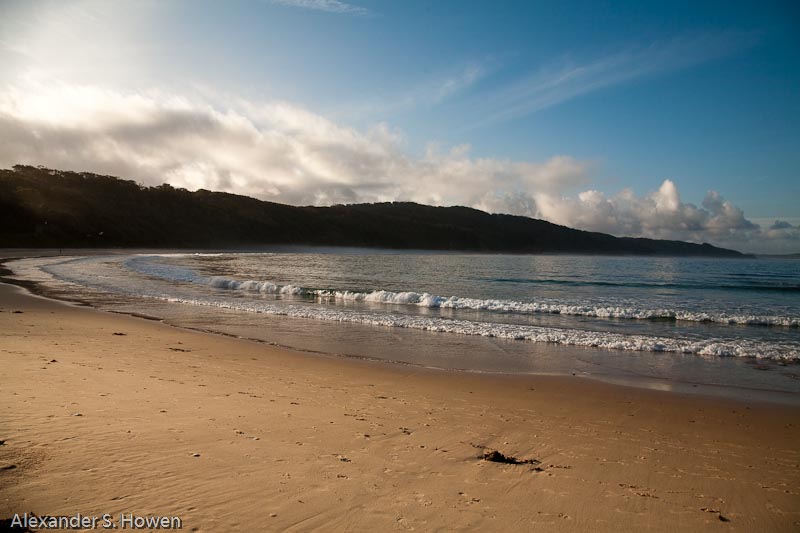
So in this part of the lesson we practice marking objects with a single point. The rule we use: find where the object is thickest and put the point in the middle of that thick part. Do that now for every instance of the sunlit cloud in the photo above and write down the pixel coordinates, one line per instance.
(660, 214)
(272, 150)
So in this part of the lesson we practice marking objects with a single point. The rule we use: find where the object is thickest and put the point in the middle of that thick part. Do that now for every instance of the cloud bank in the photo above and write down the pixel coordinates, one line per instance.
(661, 214)
(274, 151)
(281, 152)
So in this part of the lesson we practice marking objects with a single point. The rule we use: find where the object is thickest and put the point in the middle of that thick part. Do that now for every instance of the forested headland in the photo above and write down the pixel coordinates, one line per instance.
(41, 207)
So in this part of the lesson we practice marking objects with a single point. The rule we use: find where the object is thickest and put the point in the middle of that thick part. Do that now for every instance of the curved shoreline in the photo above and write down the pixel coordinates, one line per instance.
(605, 373)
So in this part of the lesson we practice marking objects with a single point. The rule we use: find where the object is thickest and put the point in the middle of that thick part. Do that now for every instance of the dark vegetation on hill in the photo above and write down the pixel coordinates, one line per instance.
(40, 207)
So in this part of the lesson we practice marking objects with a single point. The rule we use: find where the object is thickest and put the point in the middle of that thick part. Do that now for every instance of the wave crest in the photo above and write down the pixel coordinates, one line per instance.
(143, 265)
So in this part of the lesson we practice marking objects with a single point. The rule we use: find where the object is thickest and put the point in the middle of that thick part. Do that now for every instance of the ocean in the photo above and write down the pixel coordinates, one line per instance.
(719, 326)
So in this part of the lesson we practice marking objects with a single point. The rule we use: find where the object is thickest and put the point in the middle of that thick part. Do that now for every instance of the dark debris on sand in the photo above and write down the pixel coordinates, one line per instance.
(495, 456)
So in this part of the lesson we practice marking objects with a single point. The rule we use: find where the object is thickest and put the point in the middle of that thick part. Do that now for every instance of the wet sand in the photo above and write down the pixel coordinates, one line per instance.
(103, 413)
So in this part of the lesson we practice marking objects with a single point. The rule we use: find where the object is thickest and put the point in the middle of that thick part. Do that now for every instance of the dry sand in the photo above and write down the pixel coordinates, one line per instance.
(235, 435)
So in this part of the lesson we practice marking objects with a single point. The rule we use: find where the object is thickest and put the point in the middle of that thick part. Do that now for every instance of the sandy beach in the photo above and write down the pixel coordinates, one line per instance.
(104, 413)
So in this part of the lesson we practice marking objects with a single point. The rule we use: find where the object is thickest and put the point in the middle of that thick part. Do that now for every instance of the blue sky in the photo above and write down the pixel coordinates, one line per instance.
(606, 116)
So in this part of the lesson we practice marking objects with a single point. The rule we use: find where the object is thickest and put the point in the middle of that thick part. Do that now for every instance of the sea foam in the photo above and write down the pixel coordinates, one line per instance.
(146, 265)
(570, 337)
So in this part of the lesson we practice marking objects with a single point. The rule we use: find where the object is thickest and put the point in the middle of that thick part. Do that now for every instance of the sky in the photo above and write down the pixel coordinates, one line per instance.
(665, 120)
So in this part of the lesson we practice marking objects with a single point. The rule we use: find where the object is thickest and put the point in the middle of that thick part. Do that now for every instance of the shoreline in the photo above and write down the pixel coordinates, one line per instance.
(303, 427)
(595, 371)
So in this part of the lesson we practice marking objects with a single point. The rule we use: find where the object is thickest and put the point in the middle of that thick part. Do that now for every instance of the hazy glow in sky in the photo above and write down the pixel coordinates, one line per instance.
(675, 122)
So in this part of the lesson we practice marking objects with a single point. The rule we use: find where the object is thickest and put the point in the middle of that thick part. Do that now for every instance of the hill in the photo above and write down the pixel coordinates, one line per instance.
(40, 207)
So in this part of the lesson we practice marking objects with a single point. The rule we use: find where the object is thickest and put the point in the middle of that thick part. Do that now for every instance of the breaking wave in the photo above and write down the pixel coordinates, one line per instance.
(570, 337)
(144, 265)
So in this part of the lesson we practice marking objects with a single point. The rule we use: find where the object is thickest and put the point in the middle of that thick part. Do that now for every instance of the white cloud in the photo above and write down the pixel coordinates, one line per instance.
(331, 6)
(661, 214)
(274, 150)
(281, 152)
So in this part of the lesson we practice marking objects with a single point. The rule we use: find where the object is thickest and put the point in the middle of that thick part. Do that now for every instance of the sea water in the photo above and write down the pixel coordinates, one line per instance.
(674, 323)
